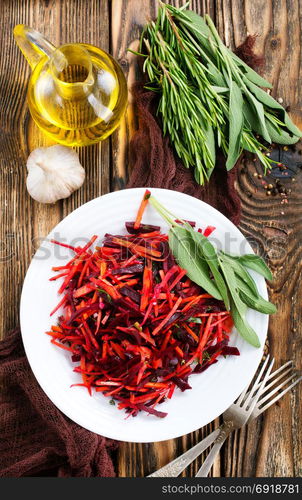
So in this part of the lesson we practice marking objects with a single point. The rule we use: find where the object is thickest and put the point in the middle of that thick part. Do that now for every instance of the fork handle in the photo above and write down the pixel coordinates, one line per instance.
(224, 430)
(207, 464)
(174, 468)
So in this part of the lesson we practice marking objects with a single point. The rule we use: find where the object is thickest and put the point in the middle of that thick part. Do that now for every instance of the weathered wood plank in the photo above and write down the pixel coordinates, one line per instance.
(15, 204)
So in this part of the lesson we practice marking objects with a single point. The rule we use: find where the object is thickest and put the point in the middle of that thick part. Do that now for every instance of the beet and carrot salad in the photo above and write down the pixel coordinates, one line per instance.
(135, 325)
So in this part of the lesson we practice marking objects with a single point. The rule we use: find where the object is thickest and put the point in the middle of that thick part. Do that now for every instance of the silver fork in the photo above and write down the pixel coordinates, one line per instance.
(174, 468)
(236, 416)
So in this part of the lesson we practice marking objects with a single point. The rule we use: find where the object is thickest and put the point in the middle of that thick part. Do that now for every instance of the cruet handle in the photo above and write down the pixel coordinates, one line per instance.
(32, 44)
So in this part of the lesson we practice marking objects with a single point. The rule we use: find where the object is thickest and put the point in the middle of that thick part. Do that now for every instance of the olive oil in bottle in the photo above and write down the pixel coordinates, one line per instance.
(77, 94)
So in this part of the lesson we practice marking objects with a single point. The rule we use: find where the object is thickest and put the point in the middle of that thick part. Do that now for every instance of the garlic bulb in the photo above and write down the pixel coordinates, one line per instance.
(53, 173)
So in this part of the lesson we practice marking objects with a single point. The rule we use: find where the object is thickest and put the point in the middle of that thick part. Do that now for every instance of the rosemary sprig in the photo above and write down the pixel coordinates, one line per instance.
(208, 97)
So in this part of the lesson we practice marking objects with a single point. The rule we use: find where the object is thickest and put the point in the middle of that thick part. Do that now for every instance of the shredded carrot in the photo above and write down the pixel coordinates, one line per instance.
(147, 285)
(141, 209)
(164, 321)
(190, 331)
(140, 250)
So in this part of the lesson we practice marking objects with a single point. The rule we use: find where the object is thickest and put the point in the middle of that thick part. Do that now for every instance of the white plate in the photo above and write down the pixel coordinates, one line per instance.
(212, 391)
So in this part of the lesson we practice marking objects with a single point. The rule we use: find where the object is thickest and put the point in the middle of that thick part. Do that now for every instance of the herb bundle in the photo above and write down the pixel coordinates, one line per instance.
(222, 275)
(208, 97)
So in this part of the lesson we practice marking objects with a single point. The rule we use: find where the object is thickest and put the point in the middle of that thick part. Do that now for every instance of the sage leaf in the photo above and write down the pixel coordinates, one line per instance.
(243, 286)
(250, 73)
(188, 257)
(198, 24)
(241, 272)
(220, 90)
(243, 328)
(250, 117)
(269, 101)
(259, 119)
(230, 279)
(251, 121)
(254, 301)
(280, 136)
(210, 142)
(257, 264)
(259, 304)
(209, 252)
(216, 76)
(235, 126)
(263, 96)
(291, 126)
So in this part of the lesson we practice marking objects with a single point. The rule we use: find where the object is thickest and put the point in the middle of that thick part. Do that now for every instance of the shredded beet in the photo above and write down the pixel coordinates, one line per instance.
(134, 323)
(143, 228)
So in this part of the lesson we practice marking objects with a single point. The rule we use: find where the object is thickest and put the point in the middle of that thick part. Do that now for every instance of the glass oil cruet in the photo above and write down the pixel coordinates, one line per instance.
(77, 93)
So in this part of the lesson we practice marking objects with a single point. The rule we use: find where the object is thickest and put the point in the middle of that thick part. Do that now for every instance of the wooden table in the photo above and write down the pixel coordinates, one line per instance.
(272, 445)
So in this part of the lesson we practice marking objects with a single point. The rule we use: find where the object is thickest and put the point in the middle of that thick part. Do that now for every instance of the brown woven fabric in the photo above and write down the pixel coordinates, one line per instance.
(35, 437)
(246, 52)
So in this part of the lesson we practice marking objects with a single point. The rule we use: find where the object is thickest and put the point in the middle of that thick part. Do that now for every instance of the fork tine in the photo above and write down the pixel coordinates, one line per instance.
(276, 372)
(253, 396)
(272, 375)
(244, 393)
(280, 395)
(276, 389)
(254, 400)
(280, 369)
(268, 386)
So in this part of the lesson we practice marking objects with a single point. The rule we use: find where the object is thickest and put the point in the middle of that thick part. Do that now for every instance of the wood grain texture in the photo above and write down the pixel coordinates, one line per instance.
(271, 446)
